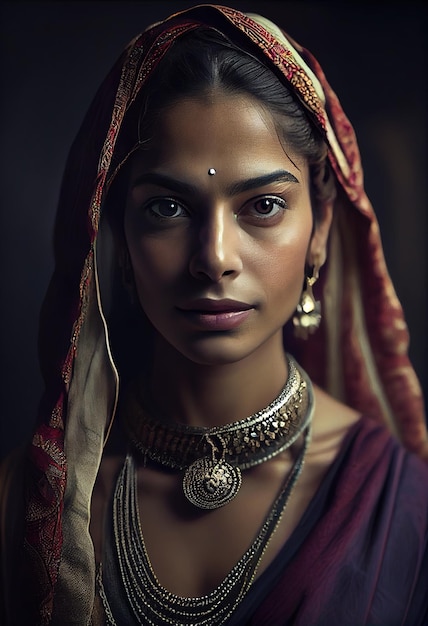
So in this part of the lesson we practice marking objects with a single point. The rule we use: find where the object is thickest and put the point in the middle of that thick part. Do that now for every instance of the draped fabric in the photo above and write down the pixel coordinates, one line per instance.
(360, 553)
(359, 354)
(358, 556)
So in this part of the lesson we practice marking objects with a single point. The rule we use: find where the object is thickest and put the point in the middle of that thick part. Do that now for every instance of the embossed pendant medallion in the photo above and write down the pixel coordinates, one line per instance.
(210, 484)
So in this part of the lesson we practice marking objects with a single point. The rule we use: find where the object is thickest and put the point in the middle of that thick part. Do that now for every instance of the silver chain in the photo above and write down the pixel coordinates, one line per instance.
(149, 602)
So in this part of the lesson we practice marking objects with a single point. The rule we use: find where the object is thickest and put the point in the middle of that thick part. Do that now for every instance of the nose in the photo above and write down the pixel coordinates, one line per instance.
(216, 252)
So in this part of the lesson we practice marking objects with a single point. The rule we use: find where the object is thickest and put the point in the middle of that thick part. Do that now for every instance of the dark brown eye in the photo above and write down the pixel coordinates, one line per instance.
(269, 206)
(266, 205)
(165, 208)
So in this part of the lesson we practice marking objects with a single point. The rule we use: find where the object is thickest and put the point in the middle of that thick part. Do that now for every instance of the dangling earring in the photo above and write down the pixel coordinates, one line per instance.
(307, 317)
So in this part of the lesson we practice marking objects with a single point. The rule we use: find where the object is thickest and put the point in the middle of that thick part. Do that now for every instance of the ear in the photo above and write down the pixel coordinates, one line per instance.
(317, 250)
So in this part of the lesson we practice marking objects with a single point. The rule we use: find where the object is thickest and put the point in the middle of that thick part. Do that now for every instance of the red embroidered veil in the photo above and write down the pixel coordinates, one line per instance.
(358, 355)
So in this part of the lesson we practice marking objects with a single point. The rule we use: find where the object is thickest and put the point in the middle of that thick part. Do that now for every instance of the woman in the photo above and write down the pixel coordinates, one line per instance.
(214, 176)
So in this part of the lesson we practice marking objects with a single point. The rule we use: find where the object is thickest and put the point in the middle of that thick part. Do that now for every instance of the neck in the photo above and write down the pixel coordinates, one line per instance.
(213, 395)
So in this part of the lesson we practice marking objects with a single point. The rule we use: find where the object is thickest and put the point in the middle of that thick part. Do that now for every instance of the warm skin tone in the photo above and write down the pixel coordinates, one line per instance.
(219, 246)
(244, 234)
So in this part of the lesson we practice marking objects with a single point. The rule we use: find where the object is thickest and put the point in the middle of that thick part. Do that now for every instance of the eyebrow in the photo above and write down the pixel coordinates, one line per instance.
(155, 178)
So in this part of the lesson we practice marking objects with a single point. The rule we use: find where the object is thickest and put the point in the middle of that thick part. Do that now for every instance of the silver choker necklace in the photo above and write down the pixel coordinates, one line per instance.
(212, 458)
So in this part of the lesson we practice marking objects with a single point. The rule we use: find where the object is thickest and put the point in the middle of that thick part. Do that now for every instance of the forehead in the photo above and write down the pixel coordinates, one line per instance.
(221, 131)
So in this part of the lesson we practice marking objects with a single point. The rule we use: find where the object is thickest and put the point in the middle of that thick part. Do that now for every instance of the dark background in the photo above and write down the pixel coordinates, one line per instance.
(55, 54)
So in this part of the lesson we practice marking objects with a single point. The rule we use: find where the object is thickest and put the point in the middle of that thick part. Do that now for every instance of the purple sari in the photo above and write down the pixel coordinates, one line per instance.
(359, 555)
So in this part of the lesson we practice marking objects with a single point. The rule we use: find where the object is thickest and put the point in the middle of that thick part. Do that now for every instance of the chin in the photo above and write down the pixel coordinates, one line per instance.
(221, 349)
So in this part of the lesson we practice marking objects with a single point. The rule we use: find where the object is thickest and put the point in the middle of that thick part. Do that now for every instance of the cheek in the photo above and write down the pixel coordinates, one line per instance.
(156, 264)
(149, 261)
(282, 261)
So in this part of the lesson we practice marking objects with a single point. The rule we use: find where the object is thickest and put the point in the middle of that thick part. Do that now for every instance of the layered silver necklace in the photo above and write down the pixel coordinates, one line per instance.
(148, 601)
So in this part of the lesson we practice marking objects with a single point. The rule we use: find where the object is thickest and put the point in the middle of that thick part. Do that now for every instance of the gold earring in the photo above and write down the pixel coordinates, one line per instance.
(307, 317)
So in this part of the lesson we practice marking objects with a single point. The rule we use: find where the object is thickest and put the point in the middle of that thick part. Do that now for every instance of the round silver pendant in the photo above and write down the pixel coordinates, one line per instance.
(210, 484)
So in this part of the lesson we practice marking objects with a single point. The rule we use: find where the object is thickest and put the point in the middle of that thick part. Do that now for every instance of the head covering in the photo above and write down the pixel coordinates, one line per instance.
(359, 354)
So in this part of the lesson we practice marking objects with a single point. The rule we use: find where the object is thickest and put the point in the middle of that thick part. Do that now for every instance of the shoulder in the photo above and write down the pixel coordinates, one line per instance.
(373, 474)
(336, 425)
(364, 460)
(359, 554)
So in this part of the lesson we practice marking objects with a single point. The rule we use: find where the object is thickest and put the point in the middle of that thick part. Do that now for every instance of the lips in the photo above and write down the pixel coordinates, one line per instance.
(210, 314)
(208, 305)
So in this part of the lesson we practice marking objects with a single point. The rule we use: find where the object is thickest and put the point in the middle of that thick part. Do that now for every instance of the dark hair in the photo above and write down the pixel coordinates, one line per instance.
(203, 61)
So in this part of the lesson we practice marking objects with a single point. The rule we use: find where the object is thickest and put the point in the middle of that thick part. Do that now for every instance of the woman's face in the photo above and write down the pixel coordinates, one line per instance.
(218, 224)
